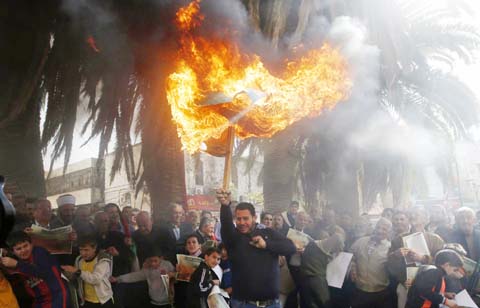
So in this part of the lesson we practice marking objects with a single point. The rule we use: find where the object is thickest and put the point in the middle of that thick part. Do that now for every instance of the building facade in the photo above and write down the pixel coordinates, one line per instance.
(203, 174)
(83, 179)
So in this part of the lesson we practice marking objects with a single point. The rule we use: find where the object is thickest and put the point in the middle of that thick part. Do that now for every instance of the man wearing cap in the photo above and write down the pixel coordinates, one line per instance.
(66, 209)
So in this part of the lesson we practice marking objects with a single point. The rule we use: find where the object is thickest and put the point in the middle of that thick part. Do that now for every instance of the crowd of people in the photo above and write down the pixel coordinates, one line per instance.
(122, 258)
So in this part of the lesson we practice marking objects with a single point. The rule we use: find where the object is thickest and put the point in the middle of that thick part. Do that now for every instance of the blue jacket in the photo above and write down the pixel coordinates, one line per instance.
(42, 280)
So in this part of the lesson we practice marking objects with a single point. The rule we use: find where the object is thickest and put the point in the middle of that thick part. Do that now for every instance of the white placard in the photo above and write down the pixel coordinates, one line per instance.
(412, 272)
(337, 269)
(463, 299)
(416, 242)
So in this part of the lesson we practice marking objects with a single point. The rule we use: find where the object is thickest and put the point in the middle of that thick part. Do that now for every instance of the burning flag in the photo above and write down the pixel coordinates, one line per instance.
(215, 86)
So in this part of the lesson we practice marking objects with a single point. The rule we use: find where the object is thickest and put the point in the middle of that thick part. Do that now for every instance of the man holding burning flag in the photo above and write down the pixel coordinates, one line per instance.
(252, 250)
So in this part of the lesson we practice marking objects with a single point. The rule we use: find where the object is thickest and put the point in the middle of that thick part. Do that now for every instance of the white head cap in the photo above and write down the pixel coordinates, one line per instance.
(65, 199)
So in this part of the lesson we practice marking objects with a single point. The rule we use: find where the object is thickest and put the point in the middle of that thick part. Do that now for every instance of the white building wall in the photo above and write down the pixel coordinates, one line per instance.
(203, 174)
(120, 190)
(81, 179)
(83, 196)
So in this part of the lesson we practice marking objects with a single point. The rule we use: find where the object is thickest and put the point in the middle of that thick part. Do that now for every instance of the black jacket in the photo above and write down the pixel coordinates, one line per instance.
(169, 245)
(255, 272)
(121, 263)
(426, 287)
(200, 286)
(146, 244)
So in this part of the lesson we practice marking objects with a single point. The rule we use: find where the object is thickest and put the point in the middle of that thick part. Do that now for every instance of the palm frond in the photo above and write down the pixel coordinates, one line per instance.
(437, 38)
(63, 78)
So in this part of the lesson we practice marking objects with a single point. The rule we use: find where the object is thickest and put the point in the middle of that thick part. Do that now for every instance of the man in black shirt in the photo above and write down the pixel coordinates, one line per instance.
(253, 253)
(145, 237)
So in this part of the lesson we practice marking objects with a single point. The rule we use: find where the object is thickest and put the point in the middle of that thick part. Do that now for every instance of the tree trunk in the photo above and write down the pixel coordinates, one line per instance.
(401, 182)
(163, 158)
(279, 172)
(20, 153)
(27, 38)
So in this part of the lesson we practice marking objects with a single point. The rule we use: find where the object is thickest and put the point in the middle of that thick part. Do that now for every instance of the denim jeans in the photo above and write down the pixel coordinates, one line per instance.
(240, 304)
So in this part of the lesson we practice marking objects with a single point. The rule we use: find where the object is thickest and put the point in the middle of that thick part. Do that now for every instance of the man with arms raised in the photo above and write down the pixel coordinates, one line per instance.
(254, 255)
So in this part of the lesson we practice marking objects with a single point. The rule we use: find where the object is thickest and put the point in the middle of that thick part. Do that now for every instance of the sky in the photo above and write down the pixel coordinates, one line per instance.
(467, 73)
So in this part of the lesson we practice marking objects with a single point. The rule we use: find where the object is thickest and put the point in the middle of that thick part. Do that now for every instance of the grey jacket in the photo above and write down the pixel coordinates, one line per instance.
(99, 278)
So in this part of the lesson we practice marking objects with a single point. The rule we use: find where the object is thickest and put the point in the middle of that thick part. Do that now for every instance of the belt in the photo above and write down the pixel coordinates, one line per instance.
(262, 303)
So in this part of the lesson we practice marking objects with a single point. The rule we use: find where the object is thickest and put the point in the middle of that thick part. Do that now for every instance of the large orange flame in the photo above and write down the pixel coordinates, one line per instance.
(245, 92)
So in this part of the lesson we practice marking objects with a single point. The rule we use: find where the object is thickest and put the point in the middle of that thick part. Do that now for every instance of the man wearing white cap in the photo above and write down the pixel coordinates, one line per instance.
(66, 209)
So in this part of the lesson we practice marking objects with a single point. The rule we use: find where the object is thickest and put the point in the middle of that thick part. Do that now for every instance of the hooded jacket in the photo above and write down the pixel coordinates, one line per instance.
(99, 278)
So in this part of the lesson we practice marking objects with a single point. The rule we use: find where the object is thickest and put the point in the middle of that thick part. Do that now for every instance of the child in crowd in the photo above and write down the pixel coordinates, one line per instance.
(192, 248)
(157, 272)
(203, 279)
(428, 288)
(92, 269)
(226, 268)
(40, 272)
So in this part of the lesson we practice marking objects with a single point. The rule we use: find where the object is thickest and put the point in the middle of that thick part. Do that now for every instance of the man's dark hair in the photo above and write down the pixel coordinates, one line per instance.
(30, 200)
(193, 235)
(39, 201)
(211, 250)
(245, 206)
(109, 205)
(294, 203)
(448, 256)
(18, 237)
(88, 239)
(222, 246)
(263, 214)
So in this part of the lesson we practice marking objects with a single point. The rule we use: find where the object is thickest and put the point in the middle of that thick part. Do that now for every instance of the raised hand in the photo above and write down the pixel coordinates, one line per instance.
(8, 262)
(223, 196)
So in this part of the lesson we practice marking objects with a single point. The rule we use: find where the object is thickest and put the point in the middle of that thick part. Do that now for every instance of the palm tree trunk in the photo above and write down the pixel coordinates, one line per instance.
(163, 158)
(22, 60)
(20, 152)
(279, 172)
(402, 178)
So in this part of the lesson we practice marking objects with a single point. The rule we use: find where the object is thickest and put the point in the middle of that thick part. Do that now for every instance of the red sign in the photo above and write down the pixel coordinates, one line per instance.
(202, 202)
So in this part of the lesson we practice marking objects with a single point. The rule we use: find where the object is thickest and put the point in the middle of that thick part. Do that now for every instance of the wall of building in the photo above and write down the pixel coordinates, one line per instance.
(83, 179)
(119, 190)
(203, 173)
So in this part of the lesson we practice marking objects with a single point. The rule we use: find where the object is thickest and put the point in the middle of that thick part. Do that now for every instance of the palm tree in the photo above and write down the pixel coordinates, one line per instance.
(113, 52)
(410, 38)
(106, 47)
(121, 54)
(23, 56)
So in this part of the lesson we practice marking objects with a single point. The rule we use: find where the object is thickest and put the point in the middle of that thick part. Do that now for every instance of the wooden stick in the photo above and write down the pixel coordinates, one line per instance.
(228, 158)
